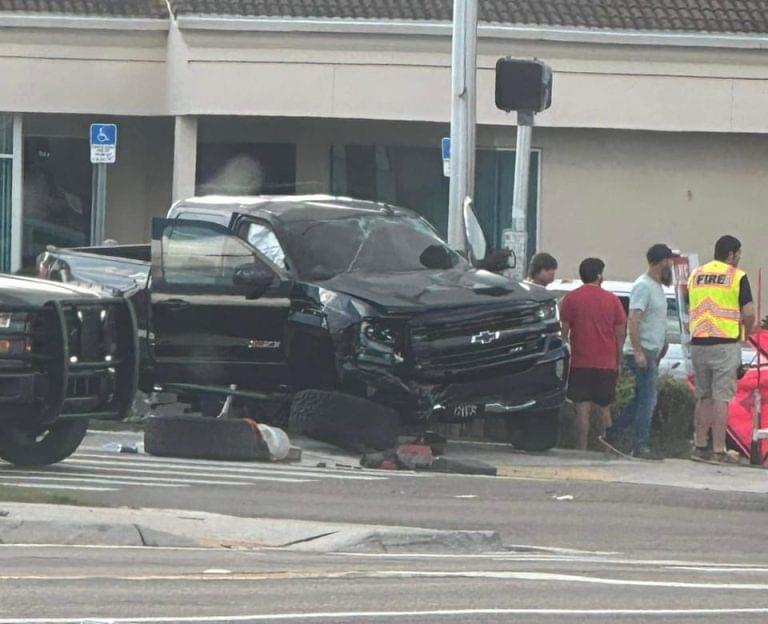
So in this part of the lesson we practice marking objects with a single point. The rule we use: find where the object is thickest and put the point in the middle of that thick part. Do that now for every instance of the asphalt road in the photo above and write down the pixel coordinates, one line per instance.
(541, 586)
(647, 552)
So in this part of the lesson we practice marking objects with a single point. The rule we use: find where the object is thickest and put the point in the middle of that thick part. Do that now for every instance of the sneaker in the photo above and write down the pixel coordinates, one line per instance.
(702, 452)
(728, 457)
(646, 453)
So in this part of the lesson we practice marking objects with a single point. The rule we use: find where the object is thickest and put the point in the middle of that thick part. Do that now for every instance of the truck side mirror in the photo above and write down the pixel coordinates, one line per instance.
(475, 237)
(254, 278)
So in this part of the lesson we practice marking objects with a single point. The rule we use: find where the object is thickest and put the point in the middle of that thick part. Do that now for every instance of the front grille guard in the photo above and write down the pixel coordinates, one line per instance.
(59, 371)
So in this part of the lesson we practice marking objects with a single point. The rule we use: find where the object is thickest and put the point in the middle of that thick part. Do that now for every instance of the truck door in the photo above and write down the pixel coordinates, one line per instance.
(218, 308)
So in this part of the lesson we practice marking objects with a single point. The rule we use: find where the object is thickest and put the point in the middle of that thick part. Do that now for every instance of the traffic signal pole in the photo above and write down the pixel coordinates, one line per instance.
(463, 117)
(520, 198)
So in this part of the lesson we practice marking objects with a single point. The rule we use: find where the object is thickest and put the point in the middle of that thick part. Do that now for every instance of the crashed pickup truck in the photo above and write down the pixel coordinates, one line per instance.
(264, 297)
(67, 354)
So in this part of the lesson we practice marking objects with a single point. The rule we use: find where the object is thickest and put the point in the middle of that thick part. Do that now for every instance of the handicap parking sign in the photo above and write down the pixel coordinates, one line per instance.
(103, 143)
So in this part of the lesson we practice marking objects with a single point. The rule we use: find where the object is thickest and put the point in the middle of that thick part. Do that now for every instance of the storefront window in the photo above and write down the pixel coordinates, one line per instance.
(57, 195)
(245, 169)
(6, 173)
(413, 177)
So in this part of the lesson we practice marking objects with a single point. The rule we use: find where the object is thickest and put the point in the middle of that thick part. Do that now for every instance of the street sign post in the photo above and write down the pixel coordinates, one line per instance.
(103, 152)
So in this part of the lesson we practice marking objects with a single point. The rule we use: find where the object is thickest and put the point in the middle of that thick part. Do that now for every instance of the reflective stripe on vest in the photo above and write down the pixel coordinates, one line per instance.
(713, 291)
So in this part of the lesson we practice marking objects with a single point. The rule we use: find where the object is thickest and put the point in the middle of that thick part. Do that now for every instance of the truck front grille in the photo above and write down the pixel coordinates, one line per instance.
(470, 343)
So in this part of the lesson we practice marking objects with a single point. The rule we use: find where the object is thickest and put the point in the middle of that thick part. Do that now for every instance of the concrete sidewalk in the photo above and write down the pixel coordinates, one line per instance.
(562, 464)
(23, 523)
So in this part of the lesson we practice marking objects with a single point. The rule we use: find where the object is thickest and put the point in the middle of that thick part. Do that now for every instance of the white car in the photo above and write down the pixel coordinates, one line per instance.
(673, 362)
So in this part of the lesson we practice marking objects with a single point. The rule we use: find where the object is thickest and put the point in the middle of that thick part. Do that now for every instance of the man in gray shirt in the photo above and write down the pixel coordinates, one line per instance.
(648, 334)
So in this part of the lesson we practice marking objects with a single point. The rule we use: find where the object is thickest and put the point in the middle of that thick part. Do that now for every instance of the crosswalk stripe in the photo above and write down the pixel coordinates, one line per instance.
(65, 471)
(95, 465)
(347, 472)
(136, 460)
(86, 478)
(44, 486)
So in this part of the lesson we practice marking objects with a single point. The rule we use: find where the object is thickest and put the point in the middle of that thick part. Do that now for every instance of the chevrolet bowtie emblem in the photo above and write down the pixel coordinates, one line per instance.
(485, 337)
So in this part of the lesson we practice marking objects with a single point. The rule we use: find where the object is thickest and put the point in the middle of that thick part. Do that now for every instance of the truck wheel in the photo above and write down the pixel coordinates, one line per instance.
(539, 431)
(199, 437)
(346, 421)
(26, 447)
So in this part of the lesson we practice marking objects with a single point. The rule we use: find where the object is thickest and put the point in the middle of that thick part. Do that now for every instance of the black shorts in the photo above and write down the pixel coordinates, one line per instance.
(593, 385)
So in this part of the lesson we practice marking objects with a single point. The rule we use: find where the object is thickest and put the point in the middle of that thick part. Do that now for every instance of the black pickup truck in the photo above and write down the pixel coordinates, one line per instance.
(67, 354)
(263, 297)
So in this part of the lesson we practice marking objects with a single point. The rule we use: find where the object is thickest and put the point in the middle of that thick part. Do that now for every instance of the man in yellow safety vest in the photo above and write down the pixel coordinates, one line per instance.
(721, 314)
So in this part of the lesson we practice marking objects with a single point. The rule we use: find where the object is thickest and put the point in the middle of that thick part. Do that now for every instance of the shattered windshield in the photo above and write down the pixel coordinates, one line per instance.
(375, 244)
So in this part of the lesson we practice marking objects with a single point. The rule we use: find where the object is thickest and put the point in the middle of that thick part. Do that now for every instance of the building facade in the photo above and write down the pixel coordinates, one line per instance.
(658, 130)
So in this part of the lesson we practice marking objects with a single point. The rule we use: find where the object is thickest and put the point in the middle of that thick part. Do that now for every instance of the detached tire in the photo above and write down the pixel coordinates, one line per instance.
(346, 421)
(539, 431)
(198, 437)
(24, 447)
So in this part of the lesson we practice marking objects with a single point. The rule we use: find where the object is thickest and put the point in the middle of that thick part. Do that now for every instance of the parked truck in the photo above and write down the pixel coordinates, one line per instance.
(334, 300)
(67, 354)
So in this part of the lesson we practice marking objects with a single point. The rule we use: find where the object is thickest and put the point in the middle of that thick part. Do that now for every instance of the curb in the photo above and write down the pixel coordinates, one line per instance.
(34, 524)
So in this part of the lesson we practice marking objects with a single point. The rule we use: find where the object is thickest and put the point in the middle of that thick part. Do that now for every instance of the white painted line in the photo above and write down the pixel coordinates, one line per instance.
(107, 481)
(569, 578)
(59, 487)
(246, 480)
(97, 473)
(260, 468)
(144, 549)
(338, 615)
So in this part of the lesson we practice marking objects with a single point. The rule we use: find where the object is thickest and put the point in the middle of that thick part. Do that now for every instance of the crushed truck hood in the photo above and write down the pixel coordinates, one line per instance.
(419, 290)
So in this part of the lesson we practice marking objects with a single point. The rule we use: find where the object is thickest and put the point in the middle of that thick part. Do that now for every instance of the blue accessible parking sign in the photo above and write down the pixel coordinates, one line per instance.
(103, 143)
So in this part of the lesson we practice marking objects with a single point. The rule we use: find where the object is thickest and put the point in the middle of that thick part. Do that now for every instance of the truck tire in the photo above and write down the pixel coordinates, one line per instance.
(24, 447)
(539, 431)
(198, 437)
(346, 421)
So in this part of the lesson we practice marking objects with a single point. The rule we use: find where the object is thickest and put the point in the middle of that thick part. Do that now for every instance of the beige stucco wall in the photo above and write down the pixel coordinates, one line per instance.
(371, 76)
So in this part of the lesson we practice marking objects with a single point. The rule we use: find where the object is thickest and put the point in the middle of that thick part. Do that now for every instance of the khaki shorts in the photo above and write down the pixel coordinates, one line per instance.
(716, 367)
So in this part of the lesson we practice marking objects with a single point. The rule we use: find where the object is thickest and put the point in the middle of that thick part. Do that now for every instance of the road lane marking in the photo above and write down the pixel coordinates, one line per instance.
(91, 479)
(252, 470)
(568, 578)
(338, 615)
(60, 487)
(245, 479)
(16, 473)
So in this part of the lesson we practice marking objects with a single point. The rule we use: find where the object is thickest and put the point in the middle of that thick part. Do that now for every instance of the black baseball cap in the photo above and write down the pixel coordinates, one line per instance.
(659, 252)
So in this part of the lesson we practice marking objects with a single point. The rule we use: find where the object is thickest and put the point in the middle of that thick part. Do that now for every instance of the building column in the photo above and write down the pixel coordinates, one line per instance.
(184, 157)
(17, 195)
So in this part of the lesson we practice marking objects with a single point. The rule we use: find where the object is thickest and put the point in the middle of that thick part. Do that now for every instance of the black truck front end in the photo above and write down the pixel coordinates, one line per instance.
(457, 364)
(63, 361)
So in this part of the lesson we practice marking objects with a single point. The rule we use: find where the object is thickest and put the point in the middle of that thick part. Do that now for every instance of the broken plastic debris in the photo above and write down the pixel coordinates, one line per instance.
(566, 497)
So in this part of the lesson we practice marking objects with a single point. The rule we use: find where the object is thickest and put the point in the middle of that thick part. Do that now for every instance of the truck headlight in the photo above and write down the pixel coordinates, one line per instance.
(379, 334)
(548, 311)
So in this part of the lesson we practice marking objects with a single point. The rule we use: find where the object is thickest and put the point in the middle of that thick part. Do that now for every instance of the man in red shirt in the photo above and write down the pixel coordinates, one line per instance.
(595, 323)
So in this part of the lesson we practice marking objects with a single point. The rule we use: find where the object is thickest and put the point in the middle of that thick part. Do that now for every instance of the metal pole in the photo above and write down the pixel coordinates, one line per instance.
(98, 203)
(520, 200)
(463, 105)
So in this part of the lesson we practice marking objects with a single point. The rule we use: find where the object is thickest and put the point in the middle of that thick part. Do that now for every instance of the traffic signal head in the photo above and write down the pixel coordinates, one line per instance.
(523, 85)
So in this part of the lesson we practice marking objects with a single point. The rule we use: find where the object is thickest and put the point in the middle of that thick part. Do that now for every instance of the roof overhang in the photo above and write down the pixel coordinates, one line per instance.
(485, 31)
(34, 20)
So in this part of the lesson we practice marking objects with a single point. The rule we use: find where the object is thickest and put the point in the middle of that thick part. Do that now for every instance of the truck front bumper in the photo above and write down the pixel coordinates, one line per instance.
(539, 387)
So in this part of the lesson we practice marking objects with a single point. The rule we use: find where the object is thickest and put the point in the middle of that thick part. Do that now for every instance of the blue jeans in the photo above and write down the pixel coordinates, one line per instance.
(639, 412)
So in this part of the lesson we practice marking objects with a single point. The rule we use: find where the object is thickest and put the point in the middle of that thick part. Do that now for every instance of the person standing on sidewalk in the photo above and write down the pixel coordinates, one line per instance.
(720, 305)
(594, 322)
(541, 270)
(648, 335)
